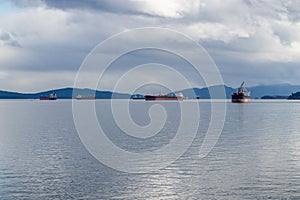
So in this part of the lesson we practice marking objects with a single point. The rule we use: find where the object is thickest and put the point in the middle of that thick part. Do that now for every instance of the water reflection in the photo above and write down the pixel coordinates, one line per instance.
(256, 157)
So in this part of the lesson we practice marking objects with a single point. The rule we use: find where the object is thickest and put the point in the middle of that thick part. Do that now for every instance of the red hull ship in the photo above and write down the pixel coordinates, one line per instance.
(241, 96)
(52, 96)
(168, 97)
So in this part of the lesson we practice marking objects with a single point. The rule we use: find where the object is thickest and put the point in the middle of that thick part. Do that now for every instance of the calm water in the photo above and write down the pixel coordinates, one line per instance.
(257, 155)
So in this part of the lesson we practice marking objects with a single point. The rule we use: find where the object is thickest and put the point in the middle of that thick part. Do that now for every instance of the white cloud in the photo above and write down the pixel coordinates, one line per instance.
(170, 8)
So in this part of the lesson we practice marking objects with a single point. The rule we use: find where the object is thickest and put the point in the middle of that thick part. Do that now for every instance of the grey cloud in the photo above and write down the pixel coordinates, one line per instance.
(293, 9)
(27, 3)
(286, 35)
(278, 9)
(8, 40)
(4, 36)
(115, 6)
(106, 5)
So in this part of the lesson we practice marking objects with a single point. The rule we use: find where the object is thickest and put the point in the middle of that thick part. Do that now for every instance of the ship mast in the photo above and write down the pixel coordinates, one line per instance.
(241, 88)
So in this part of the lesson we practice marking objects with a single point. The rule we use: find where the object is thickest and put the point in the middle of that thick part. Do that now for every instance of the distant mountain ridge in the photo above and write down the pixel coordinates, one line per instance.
(273, 90)
(256, 91)
(64, 93)
(204, 93)
(191, 93)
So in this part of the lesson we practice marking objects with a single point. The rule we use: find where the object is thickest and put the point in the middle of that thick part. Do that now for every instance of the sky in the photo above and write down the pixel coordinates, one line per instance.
(44, 42)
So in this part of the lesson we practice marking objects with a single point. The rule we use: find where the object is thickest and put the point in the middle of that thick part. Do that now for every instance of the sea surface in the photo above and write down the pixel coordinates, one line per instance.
(257, 155)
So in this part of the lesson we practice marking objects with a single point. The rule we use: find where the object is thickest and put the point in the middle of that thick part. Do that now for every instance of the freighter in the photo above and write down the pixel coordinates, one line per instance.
(80, 97)
(167, 97)
(52, 96)
(241, 96)
(137, 97)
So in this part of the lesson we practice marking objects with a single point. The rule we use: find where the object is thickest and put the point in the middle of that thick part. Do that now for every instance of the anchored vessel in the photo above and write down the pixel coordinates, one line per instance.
(80, 97)
(241, 96)
(167, 97)
(137, 97)
(52, 96)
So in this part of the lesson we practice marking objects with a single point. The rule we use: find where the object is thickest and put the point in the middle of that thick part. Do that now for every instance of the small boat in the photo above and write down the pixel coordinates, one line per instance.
(241, 96)
(167, 97)
(80, 97)
(52, 96)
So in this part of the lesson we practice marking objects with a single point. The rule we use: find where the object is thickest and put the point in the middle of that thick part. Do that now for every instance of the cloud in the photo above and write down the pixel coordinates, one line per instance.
(243, 37)
(3, 75)
(35, 81)
(166, 8)
(27, 3)
(7, 39)
(117, 6)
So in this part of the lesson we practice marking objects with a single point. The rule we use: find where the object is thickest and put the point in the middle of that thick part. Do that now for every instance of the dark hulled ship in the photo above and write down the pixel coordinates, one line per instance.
(52, 96)
(80, 97)
(167, 97)
(241, 96)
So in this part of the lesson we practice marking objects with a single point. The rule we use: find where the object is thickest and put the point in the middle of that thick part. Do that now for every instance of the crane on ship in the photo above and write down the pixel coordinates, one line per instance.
(241, 88)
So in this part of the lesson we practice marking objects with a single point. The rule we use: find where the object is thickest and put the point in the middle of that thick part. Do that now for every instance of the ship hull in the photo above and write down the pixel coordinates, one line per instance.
(162, 98)
(245, 100)
(48, 98)
(240, 98)
(85, 98)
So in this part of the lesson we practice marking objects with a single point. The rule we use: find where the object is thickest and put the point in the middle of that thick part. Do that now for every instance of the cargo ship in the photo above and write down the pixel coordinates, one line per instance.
(52, 96)
(241, 96)
(80, 97)
(167, 97)
(137, 97)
